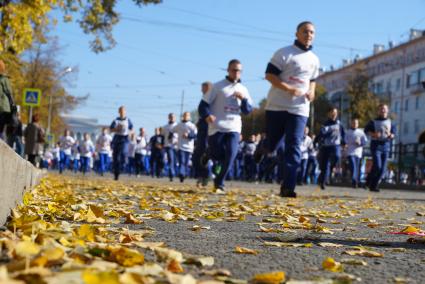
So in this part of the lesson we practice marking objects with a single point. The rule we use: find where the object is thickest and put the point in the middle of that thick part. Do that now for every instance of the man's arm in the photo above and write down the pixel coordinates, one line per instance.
(311, 94)
(279, 84)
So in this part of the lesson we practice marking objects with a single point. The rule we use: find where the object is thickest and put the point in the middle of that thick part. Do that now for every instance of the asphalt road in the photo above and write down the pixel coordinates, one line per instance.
(355, 217)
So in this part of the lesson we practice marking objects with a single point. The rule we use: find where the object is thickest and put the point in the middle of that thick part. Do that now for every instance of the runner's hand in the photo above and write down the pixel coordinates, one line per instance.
(210, 118)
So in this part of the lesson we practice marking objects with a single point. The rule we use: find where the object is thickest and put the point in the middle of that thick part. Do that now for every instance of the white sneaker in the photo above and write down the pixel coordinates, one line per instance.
(219, 191)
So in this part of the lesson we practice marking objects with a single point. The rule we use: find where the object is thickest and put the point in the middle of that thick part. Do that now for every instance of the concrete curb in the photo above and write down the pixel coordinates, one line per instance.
(16, 176)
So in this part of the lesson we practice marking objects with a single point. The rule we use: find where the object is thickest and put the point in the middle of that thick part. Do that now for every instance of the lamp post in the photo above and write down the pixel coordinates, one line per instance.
(60, 75)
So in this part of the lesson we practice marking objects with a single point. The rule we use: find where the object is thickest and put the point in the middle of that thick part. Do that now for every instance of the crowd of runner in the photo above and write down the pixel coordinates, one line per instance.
(214, 149)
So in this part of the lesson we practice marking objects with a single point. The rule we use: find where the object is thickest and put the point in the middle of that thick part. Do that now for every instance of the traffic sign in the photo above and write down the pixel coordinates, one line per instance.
(50, 138)
(32, 97)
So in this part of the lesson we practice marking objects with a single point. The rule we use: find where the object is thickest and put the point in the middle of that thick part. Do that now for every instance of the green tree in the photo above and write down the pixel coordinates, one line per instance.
(21, 21)
(363, 103)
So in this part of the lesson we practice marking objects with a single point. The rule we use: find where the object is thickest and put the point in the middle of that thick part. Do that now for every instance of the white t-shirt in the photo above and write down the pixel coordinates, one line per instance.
(225, 106)
(355, 138)
(306, 144)
(131, 149)
(75, 151)
(86, 148)
(66, 143)
(56, 153)
(103, 143)
(169, 141)
(141, 145)
(185, 144)
(298, 68)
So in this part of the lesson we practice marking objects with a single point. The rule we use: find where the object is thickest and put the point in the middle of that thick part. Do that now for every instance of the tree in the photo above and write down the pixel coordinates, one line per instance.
(320, 107)
(254, 122)
(363, 103)
(21, 21)
(40, 68)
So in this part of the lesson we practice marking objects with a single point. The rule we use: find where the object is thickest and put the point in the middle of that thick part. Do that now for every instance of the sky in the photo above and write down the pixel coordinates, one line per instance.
(164, 52)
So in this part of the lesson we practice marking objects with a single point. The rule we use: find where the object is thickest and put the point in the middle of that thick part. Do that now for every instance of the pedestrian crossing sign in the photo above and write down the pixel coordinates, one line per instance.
(32, 97)
(50, 138)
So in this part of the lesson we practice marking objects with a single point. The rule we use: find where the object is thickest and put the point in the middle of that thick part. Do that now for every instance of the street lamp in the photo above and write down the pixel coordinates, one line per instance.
(60, 75)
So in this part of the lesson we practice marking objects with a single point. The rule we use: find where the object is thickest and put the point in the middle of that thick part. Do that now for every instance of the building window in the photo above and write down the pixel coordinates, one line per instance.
(396, 107)
(417, 128)
(406, 127)
(422, 75)
(398, 84)
(406, 105)
(412, 79)
(417, 101)
(379, 87)
(389, 85)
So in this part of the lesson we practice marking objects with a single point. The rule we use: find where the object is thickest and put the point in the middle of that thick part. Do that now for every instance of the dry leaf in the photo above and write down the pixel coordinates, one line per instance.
(165, 254)
(243, 250)
(26, 248)
(329, 245)
(353, 261)
(175, 266)
(199, 260)
(269, 278)
(330, 264)
(91, 276)
(363, 252)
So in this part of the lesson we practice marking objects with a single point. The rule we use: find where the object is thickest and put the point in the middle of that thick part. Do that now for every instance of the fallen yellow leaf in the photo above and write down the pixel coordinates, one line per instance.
(330, 264)
(26, 248)
(269, 278)
(175, 266)
(245, 250)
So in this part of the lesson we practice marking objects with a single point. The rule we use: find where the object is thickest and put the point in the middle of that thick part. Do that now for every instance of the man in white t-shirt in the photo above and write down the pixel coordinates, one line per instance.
(292, 72)
(103, 146)
(221, 108)
(355, 139)
(66, 142)
(170, 144)
(186, 132)
(121, 127)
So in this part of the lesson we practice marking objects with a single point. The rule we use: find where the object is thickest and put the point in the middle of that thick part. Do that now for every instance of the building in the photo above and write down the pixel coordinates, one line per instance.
(398, 77)
(80, 125)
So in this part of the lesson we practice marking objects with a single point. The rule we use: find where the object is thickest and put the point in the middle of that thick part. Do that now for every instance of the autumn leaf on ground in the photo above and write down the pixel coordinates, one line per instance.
(130, 219)
(166, 254)
(180, 279)
(243, 250)
(285, 244)
(360, 251)
(26, 248)
(91, 276)
(353, 261)
(269, 278)
(86, 232)
(175, 266)
(199, 260)
(197, 228)
(126, 257)
(329, 245)
(217, 272)
(330, 264)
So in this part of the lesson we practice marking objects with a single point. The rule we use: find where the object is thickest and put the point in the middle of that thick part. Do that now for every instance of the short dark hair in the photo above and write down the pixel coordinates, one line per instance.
(36, 117)
(233, 61)
(300, 25)
(332, 108)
